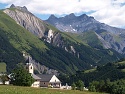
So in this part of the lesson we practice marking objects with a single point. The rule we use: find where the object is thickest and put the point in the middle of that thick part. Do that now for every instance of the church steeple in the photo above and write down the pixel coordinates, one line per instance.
(30, 65)
(30, 68)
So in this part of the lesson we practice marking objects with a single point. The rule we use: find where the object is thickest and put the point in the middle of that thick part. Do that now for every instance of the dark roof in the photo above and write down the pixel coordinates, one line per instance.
(36, 77)
(45, 77)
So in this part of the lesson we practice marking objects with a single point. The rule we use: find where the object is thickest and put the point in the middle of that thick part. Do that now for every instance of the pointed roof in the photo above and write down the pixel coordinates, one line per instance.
(36, 77)
(45, 77)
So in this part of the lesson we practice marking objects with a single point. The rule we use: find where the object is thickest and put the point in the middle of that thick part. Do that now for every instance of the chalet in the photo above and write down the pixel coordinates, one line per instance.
(49, 81)
(43, 80)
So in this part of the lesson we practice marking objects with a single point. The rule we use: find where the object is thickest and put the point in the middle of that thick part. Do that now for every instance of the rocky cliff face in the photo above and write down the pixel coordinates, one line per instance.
(26, 19)
(110, 37)
(116, 42)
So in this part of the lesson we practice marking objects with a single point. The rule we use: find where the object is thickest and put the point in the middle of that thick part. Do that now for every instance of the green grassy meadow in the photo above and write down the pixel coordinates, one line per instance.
(30, 90)
(2, 67)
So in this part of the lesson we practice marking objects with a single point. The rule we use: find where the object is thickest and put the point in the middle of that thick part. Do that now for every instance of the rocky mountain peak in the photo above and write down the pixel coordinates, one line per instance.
(20, 8)
(72, 15)
(84, 16)
(25, 8)
(26, 19)
(12, 6)
(52, 16)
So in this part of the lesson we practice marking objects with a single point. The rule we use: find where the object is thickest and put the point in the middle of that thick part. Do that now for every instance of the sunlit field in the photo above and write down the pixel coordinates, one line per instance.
(30, 90)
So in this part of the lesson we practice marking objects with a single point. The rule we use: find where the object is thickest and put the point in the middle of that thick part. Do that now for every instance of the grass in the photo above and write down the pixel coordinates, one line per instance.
(122, 62)
(2, 67)
(76, 37)
(123, 70)
(86, 38)
(91, 70)
(29, 90)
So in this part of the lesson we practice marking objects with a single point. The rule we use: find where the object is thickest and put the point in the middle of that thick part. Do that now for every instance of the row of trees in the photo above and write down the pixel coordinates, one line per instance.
(115, 87)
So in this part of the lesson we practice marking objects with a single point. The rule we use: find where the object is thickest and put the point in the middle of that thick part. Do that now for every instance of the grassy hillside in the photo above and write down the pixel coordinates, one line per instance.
(29, 90)
(2, 67)
(87, 38)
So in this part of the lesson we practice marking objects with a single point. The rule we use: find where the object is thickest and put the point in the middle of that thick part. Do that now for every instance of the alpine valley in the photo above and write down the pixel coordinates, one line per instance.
(86, 43)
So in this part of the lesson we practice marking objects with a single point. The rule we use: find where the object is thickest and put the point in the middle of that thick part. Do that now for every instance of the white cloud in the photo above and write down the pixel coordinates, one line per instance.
(113, 15)
(107, 11)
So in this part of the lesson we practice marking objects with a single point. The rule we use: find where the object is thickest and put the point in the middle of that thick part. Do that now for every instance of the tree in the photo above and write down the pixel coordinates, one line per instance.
(92, 87)
(21, 77)
(101, 86)
(118, 87)
(80, 85)
(96, 84)
(108, 85)
(73, 86)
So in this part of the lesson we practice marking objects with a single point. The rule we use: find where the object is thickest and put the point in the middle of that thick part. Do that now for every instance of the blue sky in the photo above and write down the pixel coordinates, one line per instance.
(42, 16)
(111, 12)
(2, 6)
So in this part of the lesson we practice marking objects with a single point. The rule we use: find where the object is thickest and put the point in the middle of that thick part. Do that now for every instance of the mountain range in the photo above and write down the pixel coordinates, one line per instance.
(109, 37)
(66, 52)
